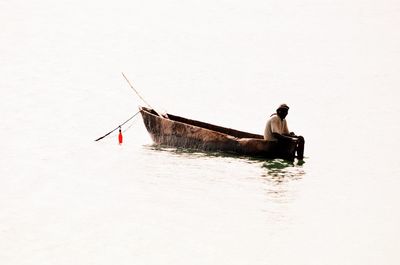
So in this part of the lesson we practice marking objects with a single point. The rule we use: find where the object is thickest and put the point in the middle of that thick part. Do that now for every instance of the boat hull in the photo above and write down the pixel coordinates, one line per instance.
(175, 131)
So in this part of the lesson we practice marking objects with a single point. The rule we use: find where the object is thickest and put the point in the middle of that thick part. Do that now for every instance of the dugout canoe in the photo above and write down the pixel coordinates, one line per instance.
(175, 131)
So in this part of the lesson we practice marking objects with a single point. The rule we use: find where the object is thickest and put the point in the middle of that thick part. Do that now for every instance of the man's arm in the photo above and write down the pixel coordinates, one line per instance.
(275, 128)
(282, 137)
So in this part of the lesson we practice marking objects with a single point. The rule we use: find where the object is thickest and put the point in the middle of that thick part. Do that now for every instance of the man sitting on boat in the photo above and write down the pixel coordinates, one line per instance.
(277, 130)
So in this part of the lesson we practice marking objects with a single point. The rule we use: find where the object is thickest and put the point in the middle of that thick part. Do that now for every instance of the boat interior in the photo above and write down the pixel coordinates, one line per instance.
(228, 131)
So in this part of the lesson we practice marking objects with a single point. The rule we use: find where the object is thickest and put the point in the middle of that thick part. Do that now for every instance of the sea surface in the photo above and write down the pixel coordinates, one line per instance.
(66, 199)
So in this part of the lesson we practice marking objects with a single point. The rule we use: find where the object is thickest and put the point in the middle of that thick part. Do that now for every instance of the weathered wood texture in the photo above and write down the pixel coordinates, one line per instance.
(175, 131)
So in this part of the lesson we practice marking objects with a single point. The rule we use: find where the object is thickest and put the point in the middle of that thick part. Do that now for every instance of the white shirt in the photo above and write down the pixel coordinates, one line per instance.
(275, 125)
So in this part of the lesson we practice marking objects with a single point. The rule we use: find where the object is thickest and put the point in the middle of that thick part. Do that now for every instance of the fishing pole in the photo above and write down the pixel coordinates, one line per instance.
(137, 93)
(119, 127)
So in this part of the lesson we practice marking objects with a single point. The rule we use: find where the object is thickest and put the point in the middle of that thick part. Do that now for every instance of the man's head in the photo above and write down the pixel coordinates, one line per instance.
(282, 111)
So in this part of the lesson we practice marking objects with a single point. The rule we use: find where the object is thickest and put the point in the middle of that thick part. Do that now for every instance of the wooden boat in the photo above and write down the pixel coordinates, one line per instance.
(175, 131)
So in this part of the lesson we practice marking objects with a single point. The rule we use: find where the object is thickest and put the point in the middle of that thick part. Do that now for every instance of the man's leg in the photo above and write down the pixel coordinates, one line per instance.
(300, 147)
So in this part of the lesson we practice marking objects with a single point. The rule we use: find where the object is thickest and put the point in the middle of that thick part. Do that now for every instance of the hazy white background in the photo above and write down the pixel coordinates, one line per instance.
(65, 199)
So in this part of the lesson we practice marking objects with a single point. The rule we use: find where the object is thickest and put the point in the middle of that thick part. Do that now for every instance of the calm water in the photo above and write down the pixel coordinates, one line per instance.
(65, 199)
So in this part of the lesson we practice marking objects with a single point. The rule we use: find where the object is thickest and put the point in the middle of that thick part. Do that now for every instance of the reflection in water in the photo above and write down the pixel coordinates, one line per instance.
(279, 174)
(197, 153)
(276, 186)
(186, 152)
(279, 170)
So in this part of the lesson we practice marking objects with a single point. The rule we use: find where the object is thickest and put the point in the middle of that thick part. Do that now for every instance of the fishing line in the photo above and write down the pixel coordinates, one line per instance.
(119, 126)
(130, 126)
(137, 93)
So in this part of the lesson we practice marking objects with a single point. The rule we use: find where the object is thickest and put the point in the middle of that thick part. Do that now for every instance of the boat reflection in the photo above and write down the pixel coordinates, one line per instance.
(279, 176)
(195, 153)
(278, 170)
